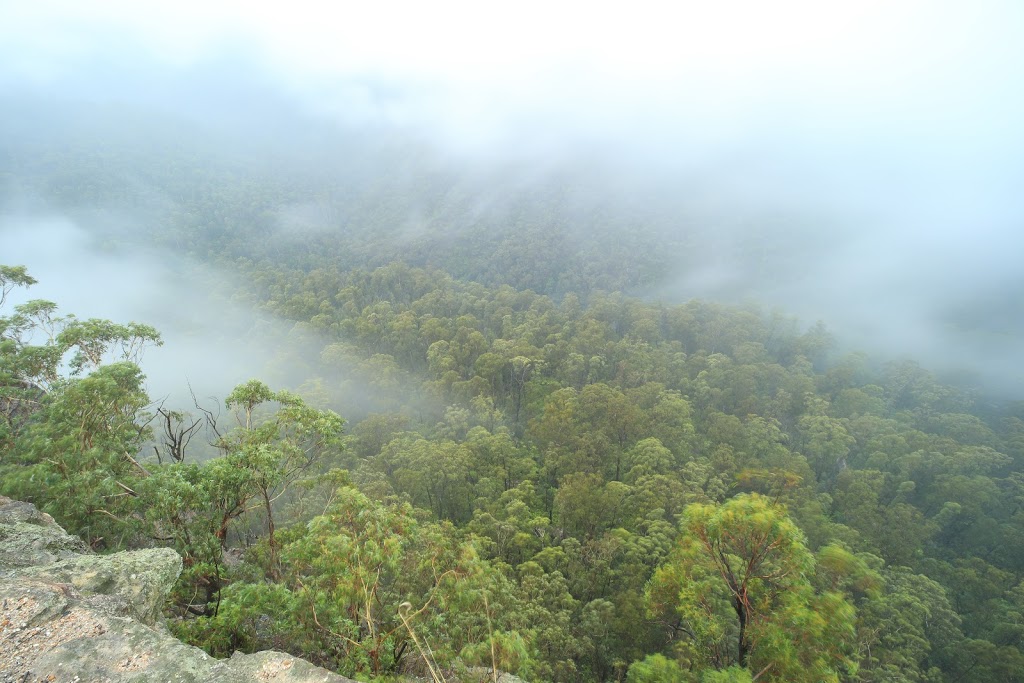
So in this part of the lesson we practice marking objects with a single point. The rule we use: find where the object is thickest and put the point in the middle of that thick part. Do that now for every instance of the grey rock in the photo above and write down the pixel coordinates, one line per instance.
(141, 579)
(29, 537)
(69, 615)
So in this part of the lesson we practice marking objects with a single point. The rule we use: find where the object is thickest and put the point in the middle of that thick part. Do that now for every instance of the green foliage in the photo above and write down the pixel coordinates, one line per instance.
(584, 487)
(733, 674)
(73, 414)
(351, 580)
(909, 631)
(501, 651)
(43, 354)
(739, 584)
(657, 668)
(195, 507)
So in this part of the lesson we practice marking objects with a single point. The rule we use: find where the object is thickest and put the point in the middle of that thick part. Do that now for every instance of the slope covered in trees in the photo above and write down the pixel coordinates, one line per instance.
(541, 470)
(574, 492)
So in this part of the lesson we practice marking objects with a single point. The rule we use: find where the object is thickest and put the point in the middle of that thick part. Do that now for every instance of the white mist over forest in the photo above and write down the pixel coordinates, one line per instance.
(876, 146)
(580, 342)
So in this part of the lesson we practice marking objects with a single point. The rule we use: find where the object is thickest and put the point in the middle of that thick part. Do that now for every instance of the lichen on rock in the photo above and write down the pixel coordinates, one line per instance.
(67, 614)
(29, 537)
(139, 580)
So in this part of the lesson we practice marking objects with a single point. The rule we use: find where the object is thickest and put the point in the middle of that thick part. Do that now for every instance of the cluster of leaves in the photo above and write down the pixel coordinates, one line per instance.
(67, 434)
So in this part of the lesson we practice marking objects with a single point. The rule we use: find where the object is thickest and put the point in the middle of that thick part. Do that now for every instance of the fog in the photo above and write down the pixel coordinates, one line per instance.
(879, 146)
(210, 343)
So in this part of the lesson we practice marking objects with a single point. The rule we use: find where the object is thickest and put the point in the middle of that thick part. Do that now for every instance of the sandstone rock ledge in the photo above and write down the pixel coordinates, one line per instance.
(68, 615)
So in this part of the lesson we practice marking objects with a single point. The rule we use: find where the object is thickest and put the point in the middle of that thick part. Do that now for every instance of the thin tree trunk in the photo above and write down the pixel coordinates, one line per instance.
(271, 542)
(744, 647)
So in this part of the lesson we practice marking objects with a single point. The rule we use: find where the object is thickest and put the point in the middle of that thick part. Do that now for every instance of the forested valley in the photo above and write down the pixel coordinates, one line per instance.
(504, 448)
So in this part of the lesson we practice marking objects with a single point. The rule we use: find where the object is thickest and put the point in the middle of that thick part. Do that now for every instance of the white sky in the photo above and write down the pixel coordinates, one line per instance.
(593, 62)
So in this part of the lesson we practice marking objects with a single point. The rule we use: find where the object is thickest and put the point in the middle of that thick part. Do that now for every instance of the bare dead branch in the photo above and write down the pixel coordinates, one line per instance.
(126, 489)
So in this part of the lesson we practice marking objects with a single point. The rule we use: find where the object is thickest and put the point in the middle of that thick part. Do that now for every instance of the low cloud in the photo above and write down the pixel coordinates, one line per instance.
(868, 154)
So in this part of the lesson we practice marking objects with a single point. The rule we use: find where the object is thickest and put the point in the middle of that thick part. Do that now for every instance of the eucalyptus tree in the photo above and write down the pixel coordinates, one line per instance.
(738, 591)
(73, 411)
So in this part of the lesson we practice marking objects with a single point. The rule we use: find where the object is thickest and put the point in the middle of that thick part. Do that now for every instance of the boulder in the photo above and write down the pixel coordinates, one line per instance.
(29, 537)
(69, 615)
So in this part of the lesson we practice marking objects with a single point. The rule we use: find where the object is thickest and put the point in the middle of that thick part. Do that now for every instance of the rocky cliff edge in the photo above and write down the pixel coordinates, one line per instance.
(69, 615)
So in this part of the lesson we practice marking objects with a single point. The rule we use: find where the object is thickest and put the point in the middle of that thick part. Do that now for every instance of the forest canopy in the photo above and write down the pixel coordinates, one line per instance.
(662, 344)
(571, 491)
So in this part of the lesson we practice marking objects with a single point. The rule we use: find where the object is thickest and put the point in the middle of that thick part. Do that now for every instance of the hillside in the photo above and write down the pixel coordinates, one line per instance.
(677, 343)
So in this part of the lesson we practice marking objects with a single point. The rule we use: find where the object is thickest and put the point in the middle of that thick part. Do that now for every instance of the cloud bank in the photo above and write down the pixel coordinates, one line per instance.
(879, 142)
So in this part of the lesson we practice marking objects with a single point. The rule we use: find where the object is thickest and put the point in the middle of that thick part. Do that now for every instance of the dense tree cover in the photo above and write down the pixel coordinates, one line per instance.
(540, 473)
(608, 490)
(316, 196)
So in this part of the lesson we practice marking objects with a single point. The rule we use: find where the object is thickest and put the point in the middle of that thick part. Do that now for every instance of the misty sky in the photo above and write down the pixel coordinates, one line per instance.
(894, 128)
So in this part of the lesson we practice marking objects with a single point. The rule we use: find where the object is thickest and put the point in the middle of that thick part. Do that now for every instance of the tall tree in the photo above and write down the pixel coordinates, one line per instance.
(72, 411)
(276, 449)
(738, 589)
